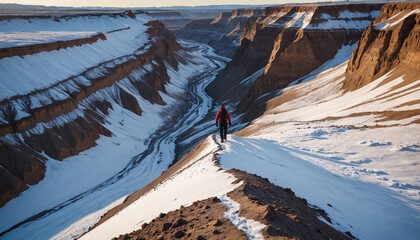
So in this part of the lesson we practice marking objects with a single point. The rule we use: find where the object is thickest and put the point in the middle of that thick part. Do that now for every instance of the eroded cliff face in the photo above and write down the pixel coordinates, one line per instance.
(223, 32)
(66, 118)
(287, 43)
(390, 43)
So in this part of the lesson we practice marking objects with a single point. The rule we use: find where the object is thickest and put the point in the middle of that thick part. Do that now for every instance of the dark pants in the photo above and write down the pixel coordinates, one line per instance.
(223, 130)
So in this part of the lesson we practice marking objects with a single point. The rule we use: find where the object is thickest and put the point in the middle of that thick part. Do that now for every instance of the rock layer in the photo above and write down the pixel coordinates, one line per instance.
(289, 42)
(223, 32)
(37, 48)
(21, 141)
(390, 42)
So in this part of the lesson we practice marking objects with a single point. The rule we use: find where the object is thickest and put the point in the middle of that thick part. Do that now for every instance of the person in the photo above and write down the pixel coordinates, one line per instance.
(222, 120)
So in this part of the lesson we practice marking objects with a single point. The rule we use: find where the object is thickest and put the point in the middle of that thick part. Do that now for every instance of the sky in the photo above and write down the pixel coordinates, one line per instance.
(147, 3)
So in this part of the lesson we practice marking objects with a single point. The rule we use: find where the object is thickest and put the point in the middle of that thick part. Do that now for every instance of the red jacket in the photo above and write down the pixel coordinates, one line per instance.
(218, 114)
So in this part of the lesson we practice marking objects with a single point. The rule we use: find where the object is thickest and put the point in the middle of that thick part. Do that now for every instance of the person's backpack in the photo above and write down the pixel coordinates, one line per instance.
(223, 116)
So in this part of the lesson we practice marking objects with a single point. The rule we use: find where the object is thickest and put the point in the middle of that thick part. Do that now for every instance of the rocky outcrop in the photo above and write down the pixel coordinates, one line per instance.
(285, 216)
(390, 42)
(37, 48)
(64, 127)
(223, 32)
(289, 42)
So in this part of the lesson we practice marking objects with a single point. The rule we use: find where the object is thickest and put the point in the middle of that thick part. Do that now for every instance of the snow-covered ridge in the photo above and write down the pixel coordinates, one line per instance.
(315, 19)
(80, 174)
(13, 39)
(47, 68)
(53, 104)
(248, 200)
(198, 181)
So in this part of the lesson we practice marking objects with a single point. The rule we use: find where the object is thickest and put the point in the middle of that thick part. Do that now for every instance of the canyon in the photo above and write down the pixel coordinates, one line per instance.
(107, 123)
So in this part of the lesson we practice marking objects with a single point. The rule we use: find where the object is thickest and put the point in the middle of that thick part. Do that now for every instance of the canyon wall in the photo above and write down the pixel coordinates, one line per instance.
(67, 117)
(287, 43)
(390, 43)
(223, 32)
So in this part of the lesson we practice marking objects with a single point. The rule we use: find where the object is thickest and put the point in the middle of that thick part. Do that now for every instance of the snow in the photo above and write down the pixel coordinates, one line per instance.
(389, 23)
(39, 71)
(15, 39)
(334, 148)
(367, 210)
(349, 14)
(307, 20)
(252, 78)
(200, 181)
(273, 18)
(358, 101)
(366, 179)
(341, 24)
(296, 20)
(83, 225)
(345, 20)
(251, 227)
(74, 175)
(303, 20)
(80, 188)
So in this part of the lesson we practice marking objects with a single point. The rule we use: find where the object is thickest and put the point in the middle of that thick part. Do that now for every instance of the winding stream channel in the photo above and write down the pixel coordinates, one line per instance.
(69, 219)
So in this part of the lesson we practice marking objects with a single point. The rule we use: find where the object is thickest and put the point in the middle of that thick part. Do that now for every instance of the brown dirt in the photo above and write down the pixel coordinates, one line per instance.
(286, 216)
(10, 186)
(378, 51)
(414, 102)
(202, 220)
(254, 128)
(59, 15)
(154, 81)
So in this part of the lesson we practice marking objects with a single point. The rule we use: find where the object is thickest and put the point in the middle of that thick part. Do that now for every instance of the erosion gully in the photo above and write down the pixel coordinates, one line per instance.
(144, 167)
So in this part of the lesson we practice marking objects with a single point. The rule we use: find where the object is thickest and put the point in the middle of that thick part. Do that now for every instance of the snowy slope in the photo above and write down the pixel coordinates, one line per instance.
(14, 39)
(55, 66)
(359, 133)
(198, 180)
(86, 184)
(339, 150)
(355, 154)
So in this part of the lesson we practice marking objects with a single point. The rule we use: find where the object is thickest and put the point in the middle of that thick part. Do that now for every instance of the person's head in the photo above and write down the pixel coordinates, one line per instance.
(222, 107)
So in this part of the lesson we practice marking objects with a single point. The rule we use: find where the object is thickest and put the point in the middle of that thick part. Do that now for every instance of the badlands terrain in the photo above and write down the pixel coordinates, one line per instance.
(107, 122)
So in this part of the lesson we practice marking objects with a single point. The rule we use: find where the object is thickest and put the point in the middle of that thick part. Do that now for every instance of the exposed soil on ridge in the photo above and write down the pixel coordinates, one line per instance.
(286, 216)
(202, 220)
